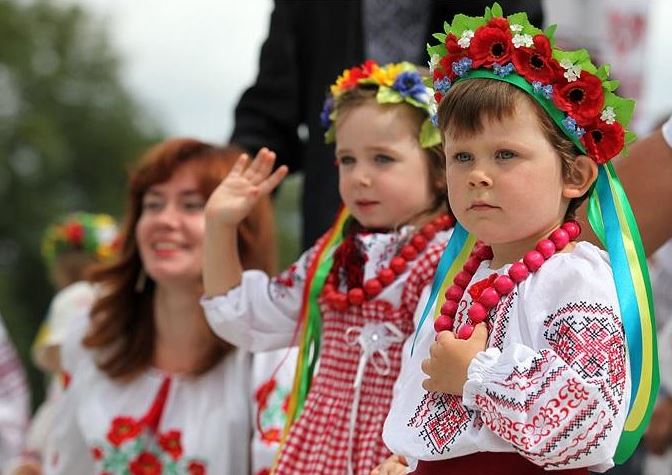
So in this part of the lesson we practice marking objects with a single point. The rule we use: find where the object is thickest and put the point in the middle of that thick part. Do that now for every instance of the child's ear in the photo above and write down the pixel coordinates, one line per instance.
(582, 175)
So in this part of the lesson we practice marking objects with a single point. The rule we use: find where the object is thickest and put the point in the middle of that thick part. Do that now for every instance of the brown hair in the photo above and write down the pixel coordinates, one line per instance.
(363, 94)
(468, 103)
(122, 322)
(71, 266)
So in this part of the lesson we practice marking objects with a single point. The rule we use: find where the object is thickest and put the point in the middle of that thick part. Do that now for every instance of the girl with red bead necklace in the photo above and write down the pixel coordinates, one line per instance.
(525, 369)
(353, 294)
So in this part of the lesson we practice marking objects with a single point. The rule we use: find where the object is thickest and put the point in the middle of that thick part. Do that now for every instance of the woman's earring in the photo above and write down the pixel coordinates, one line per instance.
(141, 281)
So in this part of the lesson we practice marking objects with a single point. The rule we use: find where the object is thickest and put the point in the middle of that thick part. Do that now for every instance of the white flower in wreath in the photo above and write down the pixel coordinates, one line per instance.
(465, 39)
(608, 115)
(572, 71)
(522, 40)
(516, 28)
(433, 63)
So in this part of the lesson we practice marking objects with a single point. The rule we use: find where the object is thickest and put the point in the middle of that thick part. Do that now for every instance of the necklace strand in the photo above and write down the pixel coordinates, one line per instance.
(357, 295)
(487, 293)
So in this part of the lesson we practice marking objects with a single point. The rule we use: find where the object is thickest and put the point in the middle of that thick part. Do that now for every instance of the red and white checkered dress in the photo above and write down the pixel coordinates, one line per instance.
(261, 315)
(317, 442)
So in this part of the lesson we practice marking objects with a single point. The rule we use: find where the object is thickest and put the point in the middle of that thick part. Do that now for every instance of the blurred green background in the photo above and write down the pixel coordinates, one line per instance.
(68, 130)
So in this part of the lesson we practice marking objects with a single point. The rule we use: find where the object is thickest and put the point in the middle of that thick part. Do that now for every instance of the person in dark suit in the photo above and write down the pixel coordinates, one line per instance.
(308, 44)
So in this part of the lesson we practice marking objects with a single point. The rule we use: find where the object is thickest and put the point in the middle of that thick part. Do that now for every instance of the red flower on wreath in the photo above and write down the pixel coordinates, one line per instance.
(171, 444)
(454, 53)
(491, 44)
(123, 428)
(603, 141)
(145, 464)
(537, 63)
(582, 99)
(196, 468)
(357, 73)
(74, 232)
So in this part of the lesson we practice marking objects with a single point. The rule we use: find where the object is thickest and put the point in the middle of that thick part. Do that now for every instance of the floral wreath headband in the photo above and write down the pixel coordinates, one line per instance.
(94, 234)
(396, 83)
(576, 94)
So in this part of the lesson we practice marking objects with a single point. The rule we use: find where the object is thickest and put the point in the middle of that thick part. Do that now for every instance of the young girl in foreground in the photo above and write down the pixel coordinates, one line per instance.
(529, 371)
(360, 283)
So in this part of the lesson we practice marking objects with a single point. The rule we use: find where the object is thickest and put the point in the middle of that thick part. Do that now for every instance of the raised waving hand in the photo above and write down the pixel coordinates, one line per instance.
(247, 181)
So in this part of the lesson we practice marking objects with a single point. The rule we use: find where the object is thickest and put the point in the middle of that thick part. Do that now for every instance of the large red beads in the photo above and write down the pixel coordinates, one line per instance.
(487, 298)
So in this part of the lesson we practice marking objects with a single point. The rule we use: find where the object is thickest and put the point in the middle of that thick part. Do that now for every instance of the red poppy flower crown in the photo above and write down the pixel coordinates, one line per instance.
(577, 95)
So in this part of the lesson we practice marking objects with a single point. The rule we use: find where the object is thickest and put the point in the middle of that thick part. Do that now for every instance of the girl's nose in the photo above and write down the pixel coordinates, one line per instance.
(362, 177)
(479, 177)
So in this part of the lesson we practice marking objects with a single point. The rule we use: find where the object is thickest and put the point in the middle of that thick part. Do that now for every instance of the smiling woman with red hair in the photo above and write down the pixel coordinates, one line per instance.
(152, 388)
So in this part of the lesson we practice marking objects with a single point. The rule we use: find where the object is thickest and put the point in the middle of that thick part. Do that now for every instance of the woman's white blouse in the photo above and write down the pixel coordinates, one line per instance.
(179, 424)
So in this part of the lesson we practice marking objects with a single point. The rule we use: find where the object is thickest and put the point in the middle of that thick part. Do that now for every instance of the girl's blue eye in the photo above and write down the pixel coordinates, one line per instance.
(346, 160)
(383, 159)
(505, 154)
(462, 157)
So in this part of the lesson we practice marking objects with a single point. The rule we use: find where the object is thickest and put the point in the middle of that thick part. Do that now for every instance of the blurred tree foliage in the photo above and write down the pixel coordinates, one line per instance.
(67, 130)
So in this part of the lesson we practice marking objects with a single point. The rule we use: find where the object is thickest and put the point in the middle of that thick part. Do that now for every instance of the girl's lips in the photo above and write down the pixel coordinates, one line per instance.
(482, 207)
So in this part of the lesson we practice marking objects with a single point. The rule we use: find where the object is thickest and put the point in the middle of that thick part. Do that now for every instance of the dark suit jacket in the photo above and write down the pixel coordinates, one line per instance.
(311, 42)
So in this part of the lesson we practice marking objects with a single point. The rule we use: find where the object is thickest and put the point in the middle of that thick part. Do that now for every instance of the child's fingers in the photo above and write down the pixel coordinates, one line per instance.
(274, 180)
(261, 166)
(240, 165)
(428, 385)
(426, 366)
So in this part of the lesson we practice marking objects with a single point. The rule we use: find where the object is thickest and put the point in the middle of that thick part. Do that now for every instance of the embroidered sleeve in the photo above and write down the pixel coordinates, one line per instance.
(261, 313)
(563, 404)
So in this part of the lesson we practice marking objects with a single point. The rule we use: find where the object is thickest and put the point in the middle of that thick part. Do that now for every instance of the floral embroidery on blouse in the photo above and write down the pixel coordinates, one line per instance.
(131, 449)
(272, 401)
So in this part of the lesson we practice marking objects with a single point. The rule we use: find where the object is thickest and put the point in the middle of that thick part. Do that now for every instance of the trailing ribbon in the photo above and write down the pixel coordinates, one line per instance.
(453, 258)
(309, 325)
(613, 221)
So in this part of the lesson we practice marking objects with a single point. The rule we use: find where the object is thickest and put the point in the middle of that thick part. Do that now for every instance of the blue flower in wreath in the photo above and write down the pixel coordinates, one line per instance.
(328, 106)
(409, 84)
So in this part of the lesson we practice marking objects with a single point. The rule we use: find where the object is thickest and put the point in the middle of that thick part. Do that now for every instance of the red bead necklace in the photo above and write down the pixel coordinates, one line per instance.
(357, 295)
(487, 293)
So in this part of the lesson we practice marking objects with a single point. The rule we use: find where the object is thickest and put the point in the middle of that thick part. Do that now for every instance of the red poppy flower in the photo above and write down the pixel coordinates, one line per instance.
(263, 392)
(603, 141)
(537, 63)
(196, 468)
(582, 99)
(368, 67)
(123, 428)
(74, 232)
(453, 47)
(145, 464)
(171, 444)
(437, 97)
(445, 68)
(491, 44)
(97, 453)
